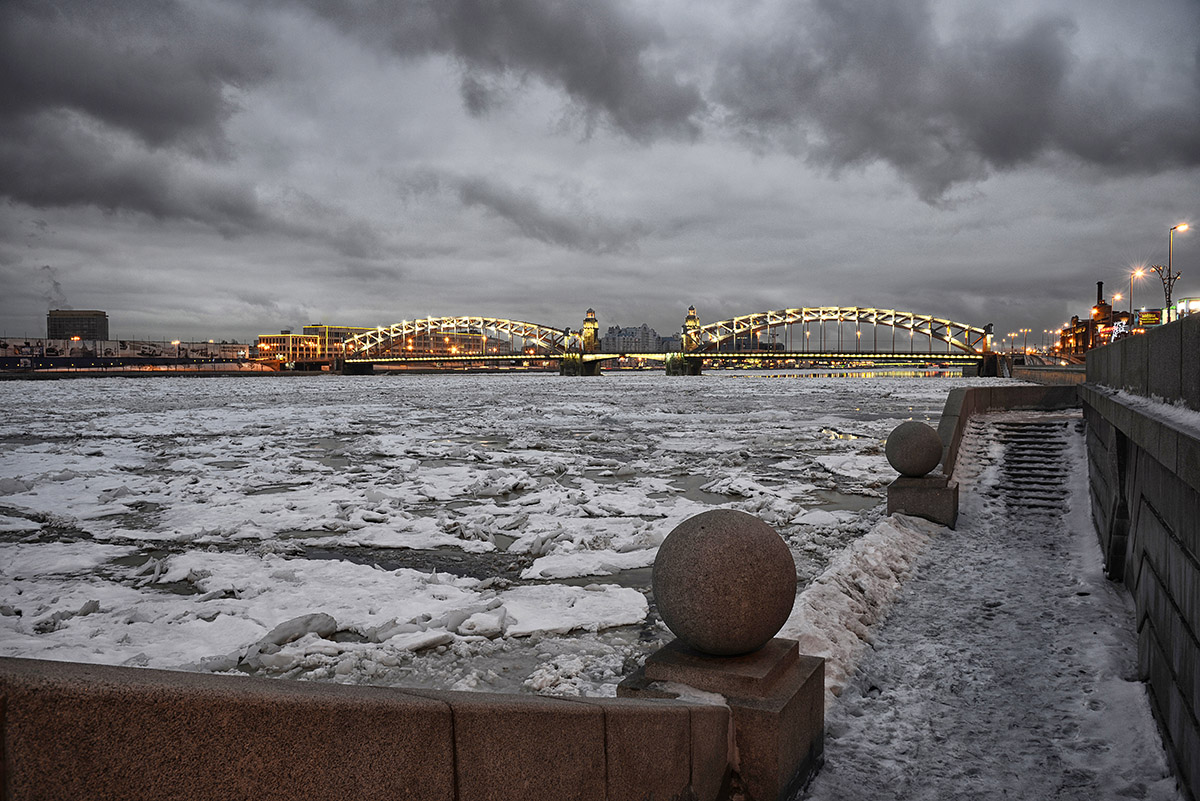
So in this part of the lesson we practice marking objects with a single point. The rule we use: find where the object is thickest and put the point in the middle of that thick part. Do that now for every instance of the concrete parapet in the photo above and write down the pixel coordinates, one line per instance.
(100, 732)
(1075, 374)
(1161, 363)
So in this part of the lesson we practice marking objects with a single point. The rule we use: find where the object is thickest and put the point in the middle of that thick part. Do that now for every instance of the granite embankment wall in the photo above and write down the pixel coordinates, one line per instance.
(1039, 374)
(75, 731)
(1140, 401)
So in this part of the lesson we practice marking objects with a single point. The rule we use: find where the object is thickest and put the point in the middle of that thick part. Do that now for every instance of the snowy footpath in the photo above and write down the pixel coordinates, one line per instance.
(1006, 664)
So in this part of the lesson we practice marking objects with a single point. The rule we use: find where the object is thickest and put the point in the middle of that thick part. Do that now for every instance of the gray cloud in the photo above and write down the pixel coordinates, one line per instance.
(600, 54)
(115, 105)
(574, 230)
(873, 82)
(566, 224)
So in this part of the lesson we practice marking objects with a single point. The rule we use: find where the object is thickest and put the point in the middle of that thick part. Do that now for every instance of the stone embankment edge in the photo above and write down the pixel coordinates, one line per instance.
(101, 732)
(1144, 474)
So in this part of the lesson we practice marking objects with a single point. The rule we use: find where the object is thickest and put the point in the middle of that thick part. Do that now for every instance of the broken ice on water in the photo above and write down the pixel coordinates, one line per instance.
(458, 531)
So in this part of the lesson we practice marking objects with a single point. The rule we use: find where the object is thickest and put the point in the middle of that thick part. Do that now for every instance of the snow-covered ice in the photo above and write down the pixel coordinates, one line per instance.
(490, 531)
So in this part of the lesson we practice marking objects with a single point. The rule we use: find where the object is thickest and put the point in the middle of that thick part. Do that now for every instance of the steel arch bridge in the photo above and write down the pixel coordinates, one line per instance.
(966, 338)
(391, 340)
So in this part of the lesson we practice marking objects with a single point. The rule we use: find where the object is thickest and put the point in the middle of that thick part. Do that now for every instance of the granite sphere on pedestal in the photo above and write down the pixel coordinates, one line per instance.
(724, 582)
(913, 449)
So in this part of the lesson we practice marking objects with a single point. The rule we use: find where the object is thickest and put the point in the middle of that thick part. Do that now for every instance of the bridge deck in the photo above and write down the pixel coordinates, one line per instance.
(744, 355)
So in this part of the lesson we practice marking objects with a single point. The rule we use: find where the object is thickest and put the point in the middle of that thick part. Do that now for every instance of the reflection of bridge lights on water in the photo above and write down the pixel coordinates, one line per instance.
(833, 433)
(883, 373)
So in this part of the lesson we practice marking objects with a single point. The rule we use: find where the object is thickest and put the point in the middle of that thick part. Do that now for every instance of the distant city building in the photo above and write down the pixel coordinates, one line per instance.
(87, 324)
(289, 348)
(642, 339)
(330, 338)
(1184, 307)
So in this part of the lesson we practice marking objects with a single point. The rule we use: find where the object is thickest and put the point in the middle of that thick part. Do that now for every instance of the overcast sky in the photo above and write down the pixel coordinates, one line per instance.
(224, 168)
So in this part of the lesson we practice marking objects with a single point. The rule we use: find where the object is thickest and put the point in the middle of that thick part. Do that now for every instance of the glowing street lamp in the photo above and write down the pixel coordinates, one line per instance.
(1138, 273)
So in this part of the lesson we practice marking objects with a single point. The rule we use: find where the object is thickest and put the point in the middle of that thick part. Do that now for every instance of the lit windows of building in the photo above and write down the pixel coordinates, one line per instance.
(289, 348)
(331, 338)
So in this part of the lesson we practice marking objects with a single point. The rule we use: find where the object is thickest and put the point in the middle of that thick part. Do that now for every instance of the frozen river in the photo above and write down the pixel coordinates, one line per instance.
(459, 531)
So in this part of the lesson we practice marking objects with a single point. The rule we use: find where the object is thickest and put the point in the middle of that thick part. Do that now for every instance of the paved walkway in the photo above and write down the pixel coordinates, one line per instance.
(1006, 668)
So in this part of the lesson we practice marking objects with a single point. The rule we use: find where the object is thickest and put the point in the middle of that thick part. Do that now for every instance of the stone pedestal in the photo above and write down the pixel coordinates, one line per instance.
(776, 699)
(933, 497)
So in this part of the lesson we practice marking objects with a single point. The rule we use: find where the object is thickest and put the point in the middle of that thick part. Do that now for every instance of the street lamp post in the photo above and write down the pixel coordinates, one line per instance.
(1138, 273)
(1169, 277)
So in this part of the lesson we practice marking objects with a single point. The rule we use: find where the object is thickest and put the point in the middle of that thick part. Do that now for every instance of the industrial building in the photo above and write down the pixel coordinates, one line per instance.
(85, 324)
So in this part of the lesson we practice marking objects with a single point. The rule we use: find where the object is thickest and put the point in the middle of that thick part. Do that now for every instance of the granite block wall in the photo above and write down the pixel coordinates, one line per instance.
(1144, 475)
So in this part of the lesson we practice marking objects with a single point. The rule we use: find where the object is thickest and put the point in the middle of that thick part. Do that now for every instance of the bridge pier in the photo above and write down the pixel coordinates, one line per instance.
(358, 368)
(574, 364)
(678, 364)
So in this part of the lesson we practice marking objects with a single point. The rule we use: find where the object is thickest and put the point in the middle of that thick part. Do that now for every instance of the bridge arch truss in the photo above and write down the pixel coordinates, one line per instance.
(393, 340)
(965, 338)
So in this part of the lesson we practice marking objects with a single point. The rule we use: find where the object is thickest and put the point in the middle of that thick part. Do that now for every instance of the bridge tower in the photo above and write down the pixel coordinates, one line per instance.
(591, 332)
(691, 330)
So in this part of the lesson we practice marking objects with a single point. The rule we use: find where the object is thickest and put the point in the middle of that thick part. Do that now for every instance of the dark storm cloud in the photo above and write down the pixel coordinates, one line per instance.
(600, 54)
(153, 69)
(871, 82)
(105, 104)
(58, 159)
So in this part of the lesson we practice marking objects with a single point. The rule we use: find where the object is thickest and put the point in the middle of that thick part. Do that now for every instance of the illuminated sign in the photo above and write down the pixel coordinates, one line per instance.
(1149, 318)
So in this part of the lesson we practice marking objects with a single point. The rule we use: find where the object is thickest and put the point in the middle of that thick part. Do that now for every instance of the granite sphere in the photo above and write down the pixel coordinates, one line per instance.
(724, 582)
(913, 449)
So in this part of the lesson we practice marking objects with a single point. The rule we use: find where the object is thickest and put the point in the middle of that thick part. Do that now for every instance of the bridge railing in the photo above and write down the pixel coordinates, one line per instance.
(405, 336)
(960, 336)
